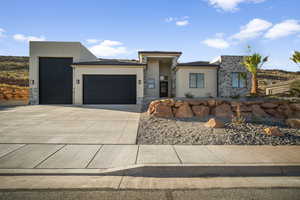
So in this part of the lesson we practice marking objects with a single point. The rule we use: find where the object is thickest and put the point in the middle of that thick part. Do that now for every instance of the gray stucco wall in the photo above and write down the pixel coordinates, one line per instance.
(229, 64)
(151, 72)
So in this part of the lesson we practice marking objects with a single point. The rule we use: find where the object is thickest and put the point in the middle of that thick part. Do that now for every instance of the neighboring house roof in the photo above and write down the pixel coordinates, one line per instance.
(198, 63)
(110, 62)
(161, 52)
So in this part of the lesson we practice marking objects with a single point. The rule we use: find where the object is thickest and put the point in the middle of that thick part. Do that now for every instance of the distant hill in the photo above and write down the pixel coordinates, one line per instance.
(272, 77)
(14, 70)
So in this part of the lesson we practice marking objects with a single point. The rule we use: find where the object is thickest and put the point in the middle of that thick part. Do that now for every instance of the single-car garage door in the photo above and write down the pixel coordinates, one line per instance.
(109, 89)
(55, 80)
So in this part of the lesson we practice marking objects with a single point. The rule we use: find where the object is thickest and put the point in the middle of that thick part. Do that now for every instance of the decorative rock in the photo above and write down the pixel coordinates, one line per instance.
(274, 113)
(178, 103)
(211, 102)
(247, 115)
(196, 102)
(258, 111)
(295, 106)
(293, 123)
(269, 105)
(285, 110)
(253, 102)
(273, 131)
(193, 102)
(224, 111)
(243, 108)
(219, 102)
(201, 111)
(162, 110)
(169, 102)
(184, 111)
(214, 123)
(152, 106)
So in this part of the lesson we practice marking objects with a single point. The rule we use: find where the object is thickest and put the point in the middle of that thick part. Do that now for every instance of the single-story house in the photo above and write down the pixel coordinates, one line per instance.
(68, 73)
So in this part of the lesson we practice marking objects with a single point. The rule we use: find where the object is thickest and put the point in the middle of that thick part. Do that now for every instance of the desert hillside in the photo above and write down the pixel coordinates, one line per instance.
(14, 77)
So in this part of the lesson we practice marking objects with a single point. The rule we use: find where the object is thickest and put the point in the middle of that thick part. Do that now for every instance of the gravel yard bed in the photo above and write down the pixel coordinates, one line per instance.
(154, 130)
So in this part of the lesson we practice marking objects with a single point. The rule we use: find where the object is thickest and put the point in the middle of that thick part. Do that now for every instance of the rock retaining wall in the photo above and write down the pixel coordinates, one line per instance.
(169, 108)
(13, 93)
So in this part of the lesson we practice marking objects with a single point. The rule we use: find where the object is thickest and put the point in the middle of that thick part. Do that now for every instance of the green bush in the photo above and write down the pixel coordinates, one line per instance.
(189, 95)
(295, 88)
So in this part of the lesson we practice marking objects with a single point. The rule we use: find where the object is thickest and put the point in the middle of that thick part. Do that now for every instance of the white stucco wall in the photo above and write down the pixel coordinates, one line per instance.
(79, 71)
(39, 49)
(210, 81)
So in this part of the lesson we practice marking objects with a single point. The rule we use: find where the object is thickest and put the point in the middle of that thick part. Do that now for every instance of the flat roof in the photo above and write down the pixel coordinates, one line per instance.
(198, 63)
(110, 62)
(161, 52)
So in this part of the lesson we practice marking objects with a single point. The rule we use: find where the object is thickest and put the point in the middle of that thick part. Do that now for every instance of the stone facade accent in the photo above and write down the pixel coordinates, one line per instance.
(33, 96)
(229, 64)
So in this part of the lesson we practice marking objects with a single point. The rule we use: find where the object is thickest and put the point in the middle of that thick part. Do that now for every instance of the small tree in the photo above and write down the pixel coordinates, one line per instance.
(253, 62)
(296, 57)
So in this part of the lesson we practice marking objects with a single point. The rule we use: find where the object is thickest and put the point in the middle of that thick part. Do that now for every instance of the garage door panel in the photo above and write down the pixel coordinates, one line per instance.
(55, 80)
(109, 89)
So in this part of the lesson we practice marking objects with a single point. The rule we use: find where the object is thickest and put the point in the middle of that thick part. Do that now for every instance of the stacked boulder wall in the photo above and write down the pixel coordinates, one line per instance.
(223, 111)
(223, 108)
(200, 111)
(184, 111)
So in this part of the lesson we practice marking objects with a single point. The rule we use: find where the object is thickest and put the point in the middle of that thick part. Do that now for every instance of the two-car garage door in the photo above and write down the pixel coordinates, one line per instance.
(56, 85)
(109, 89)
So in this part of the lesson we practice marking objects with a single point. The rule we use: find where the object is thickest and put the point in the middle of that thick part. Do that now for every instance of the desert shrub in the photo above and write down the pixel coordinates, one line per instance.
(295, 88)
(189, 95)
(235, 97)
(251, 96)
(238, 119)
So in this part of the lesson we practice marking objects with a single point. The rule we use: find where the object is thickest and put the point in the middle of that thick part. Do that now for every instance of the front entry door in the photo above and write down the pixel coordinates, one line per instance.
(163, 90)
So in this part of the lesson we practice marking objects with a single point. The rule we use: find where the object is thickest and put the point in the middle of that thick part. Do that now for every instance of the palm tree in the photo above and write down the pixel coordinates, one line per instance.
(253, 63)
(296, 57)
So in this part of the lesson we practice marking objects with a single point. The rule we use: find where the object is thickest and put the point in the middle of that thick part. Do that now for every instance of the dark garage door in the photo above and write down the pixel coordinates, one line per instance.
(109, 89)
(55, 80)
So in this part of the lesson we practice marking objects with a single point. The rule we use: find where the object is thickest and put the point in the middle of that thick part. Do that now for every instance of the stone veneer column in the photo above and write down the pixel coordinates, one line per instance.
(229, 64)
(33, 96)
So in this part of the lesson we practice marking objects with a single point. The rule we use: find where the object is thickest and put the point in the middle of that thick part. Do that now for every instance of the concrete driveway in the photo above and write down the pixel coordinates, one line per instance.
(99, 124)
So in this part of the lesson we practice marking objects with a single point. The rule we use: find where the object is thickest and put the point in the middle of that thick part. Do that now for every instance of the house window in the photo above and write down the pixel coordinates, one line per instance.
(196, 80)
(238, 79)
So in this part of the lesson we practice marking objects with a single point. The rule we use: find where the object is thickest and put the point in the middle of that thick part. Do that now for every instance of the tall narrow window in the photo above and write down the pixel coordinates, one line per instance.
(238, 79)
(196, 80)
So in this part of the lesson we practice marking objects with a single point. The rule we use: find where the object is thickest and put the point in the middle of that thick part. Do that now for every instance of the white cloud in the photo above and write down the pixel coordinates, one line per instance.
(182, 23)
(179, 21)
(2, 32)
(253, 29)
(285, 28)
(230, 5)
(21, 37)
(92, 41)
(218, 43)
(169, 19)
(108, 48)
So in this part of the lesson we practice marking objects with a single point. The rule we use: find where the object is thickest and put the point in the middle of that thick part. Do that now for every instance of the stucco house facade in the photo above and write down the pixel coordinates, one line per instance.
(68, 73)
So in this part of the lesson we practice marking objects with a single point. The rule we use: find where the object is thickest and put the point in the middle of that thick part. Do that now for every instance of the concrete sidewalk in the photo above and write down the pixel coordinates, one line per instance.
(189, 160)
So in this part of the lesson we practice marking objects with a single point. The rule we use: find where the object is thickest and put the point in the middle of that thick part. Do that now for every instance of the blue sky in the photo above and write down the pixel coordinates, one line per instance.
(201, 29)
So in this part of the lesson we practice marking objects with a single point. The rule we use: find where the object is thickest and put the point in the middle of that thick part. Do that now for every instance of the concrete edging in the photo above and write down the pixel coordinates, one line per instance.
(172, 170)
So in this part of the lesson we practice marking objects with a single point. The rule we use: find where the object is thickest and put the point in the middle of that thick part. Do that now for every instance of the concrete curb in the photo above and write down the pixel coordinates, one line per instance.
(172, 170)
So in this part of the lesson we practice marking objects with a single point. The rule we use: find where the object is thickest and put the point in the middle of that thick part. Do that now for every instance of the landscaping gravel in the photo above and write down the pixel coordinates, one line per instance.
(154, 130)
